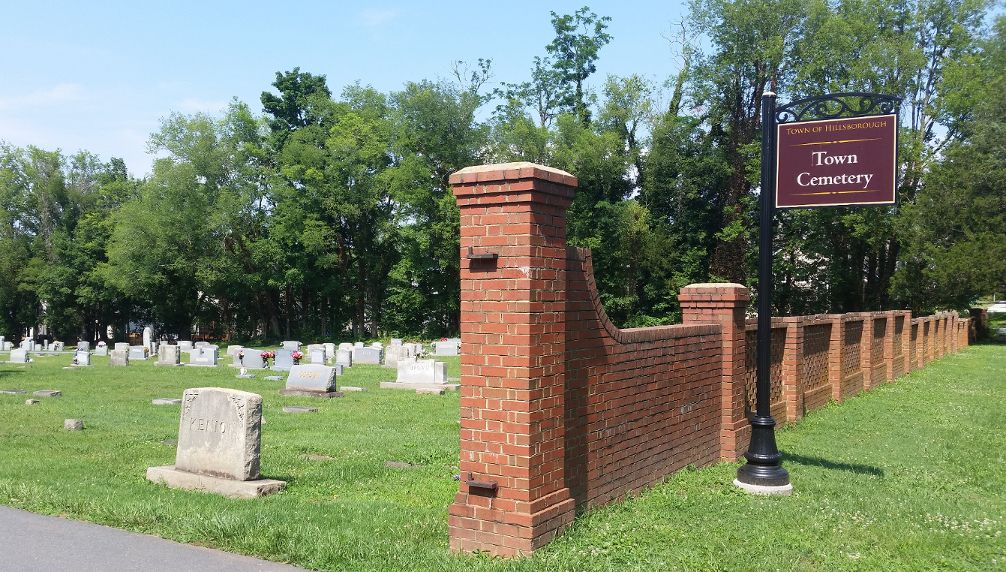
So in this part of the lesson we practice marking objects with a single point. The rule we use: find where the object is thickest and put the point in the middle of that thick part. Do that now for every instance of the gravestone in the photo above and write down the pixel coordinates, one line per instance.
(344, 358)
(447, 348)
(101, 351)
(358, 345)
(19, 356)
(396, 341)
(338, 368)
(166, 401)
(318, 356)
(204, 356)
(137, 353)
(8, 346)
(311, 380)
(283, 360)
(377, 345)
(119, 357)
(122, 346)
(82, 358)
(299, 409)
(48, 393)
(252, 359)
(291, 345)
(233, 351)
(392, 354)
(329, 351)
(420, 373)
(168, 355)
(367, 356)
(219, 445)
(148, 339)
(60, 346)
(346, 346)
(185, 345)
(73, 424)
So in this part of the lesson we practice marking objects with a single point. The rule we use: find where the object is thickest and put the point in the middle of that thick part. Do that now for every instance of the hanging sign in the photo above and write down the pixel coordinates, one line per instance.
(834, 162)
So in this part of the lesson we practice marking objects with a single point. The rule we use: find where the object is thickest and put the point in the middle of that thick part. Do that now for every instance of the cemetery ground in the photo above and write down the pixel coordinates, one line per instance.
(907, 477)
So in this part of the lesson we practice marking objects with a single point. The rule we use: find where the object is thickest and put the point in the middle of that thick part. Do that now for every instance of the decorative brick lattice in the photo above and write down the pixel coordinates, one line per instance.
(816, 385)
(877, 345)
(850, 353)
(778, 407)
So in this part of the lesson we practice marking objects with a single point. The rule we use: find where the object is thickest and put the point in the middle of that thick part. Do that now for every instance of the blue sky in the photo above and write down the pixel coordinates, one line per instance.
(100, 76)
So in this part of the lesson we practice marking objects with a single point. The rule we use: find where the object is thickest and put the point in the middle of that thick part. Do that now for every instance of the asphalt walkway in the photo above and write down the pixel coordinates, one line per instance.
(31, 542)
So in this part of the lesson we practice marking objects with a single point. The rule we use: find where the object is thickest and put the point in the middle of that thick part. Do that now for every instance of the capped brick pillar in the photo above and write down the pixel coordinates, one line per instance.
(513, 498)
(725, 304)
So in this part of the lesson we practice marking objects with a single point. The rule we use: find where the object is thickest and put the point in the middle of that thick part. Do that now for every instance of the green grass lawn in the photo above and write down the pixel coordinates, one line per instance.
(907, 477)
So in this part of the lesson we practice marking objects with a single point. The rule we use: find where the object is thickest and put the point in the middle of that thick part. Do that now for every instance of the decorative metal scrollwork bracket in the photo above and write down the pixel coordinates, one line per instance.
(836, 105)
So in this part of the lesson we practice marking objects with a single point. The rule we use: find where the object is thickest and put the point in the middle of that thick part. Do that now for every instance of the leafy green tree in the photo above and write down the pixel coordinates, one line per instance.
(578, 38)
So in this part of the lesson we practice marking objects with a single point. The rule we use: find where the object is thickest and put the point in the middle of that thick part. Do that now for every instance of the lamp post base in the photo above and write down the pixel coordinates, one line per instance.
(784, 490)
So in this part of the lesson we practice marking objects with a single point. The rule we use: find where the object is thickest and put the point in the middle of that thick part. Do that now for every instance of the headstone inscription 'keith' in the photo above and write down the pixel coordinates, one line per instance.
(848, 161)
(219, 445)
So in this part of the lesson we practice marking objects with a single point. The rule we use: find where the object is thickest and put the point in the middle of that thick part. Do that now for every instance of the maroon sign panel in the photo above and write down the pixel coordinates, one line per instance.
(835, 162)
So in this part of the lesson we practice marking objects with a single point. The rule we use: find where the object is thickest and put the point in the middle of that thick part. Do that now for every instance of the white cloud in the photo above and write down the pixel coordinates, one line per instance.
(372, 18)
(59, 95)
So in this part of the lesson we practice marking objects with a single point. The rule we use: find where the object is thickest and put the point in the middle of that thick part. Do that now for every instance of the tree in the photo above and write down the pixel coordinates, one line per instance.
(578, 38)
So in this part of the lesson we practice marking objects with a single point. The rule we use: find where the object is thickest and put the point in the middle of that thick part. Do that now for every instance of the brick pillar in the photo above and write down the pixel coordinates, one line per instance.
(724, 304)
(866, 349)
(835, 351)
(513, 497)
(889, 334)
(792, 370)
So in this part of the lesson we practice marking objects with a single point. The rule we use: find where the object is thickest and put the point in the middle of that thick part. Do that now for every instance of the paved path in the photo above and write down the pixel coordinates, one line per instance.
(31, 542)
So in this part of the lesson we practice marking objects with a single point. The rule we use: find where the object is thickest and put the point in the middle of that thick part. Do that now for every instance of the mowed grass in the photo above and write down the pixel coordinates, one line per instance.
(906, 477)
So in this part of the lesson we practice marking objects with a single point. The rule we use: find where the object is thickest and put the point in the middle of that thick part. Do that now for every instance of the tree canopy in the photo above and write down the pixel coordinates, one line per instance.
(331, 215)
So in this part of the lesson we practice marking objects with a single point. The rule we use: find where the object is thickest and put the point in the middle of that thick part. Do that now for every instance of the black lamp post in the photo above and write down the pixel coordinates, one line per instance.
(763, 472)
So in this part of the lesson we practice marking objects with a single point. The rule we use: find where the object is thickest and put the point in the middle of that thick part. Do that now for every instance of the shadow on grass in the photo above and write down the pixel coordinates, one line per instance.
(818, 461)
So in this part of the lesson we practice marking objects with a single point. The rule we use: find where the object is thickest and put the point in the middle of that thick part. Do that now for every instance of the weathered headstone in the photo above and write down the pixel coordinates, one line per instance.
(8, 346)
(122, 346)
(138, 353)
(346, 346)
(392, 354)
(329, 351)
(204, 356)
(358, 345)
(119, 357)
(19, 356)
(219, 445)
(148, 340)
(396, 341)
(168, 355)
(367, 356)
(249, 358)
(283, 360)
(291, 345)
(73, 424)
(377, 345)
(299, 409)
(47, 393)
(185, 345)
(318, 356)
(420, 373)
(82, 358)
(311, 380)
(344, 357)
(101, 351)
(233, 351)
(60, 346)
(338, 368)
(448, 348)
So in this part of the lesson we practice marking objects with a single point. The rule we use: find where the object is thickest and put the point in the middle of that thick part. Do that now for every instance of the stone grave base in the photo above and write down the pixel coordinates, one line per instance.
(414, 386)
(176, 479)
(305, 393)
(168, 364)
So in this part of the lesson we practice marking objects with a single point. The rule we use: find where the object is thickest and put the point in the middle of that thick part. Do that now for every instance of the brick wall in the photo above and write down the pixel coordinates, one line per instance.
(560, 410)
